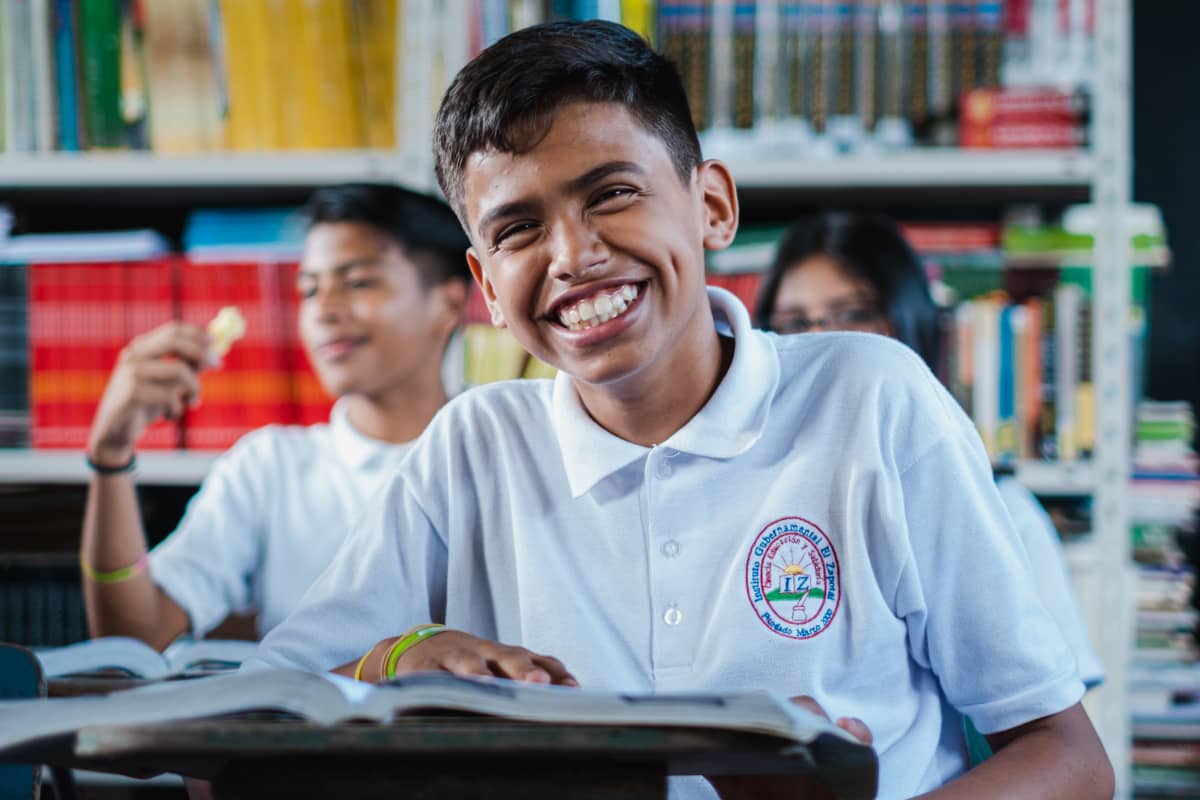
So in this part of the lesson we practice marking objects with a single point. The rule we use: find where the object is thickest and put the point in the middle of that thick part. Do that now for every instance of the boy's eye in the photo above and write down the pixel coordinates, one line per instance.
(514, 234)
(306, 290)
(361, 283)
(615, 193)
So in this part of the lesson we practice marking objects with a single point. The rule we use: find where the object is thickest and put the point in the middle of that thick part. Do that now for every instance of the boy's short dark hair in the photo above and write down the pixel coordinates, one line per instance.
(504, 99)
(425, 228)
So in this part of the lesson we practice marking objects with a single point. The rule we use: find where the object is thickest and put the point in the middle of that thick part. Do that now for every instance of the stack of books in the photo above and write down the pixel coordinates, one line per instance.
(1164, 673)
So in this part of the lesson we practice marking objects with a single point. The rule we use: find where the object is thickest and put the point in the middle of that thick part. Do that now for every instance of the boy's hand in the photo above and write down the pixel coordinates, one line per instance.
(156, 376)
(754, 787)
(464, 654)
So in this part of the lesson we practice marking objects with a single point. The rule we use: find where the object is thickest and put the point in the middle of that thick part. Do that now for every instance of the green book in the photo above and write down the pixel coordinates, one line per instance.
(100, 46)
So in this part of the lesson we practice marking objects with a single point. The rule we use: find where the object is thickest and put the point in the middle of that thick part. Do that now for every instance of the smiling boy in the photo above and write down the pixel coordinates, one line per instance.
(691, 504)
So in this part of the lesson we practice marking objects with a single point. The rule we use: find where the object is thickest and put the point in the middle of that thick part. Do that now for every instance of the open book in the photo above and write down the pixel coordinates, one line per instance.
(134, 657)
(330, 699)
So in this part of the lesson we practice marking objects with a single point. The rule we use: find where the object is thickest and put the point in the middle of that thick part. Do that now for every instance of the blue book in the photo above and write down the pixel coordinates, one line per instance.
(66, 74)
(1006, 408)
(268, 232)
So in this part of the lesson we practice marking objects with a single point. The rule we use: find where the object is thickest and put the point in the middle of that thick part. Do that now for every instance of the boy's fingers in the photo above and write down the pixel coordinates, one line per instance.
(856, 728)
(174, 338)
(169, 373)
(555, 669)
(464, 662)
(518, 664)
(806, 702)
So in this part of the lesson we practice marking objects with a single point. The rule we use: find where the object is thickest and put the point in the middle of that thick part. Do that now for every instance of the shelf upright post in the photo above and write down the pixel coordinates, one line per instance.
(1111, 359)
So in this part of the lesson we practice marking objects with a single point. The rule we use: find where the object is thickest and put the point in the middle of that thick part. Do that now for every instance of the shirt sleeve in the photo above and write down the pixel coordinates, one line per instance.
(207, 564)
(1049, 566)
(974, 613)
(389, 575)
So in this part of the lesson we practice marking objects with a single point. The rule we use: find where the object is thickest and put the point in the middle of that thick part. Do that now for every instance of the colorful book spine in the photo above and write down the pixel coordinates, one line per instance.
(66, 75)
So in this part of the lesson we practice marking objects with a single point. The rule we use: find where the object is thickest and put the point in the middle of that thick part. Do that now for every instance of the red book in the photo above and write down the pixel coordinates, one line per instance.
(78, 323)
(994, 106)
(252, 386)
(1023, 135)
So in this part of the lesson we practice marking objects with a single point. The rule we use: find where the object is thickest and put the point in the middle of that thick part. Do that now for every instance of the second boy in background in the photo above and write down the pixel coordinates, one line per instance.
(382, 286)
(691, 504)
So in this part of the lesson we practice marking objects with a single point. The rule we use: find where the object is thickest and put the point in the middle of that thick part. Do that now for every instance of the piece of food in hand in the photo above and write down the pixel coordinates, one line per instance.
(226, 328)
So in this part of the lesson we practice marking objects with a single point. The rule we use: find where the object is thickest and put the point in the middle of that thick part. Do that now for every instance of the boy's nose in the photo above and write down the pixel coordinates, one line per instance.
(577, 250)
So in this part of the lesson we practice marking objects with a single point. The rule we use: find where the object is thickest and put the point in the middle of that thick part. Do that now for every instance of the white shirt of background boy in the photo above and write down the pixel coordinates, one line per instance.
(269, 517)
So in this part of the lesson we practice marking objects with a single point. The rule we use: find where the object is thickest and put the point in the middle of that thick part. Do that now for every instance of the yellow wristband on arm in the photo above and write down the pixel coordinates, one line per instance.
(361, 662)
(117, 575)
(406, 642)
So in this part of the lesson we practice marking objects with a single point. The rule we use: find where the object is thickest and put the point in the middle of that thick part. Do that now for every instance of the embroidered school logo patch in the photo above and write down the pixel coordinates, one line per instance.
(792, 578)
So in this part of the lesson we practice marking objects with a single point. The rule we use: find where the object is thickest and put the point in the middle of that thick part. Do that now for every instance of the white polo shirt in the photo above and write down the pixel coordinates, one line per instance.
(826, 525)
(1049, 565)
(269, 517)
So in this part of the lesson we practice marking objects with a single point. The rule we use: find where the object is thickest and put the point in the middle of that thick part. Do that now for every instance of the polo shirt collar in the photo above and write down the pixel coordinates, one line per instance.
(730, 423)
(354, 448)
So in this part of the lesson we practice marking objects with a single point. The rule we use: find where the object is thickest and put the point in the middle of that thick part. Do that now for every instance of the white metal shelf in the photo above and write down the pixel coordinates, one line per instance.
(155, 467)
(1056, 477)
(921, 167)
(1083, 555)
(224, 169)
(927, 168)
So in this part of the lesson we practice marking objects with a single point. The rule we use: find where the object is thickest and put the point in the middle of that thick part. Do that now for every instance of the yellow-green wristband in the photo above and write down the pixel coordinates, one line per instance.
(117, 575)
(406, 642)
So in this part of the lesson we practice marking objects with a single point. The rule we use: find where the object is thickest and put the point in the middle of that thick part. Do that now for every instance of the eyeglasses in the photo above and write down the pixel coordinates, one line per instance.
(852, 318)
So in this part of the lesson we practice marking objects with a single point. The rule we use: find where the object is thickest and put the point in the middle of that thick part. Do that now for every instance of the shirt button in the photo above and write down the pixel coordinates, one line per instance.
(663, 470)
(673, 616)
(670, 548)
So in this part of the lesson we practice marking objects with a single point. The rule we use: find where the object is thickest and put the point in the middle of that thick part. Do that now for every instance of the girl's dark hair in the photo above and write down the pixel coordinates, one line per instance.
(870, 248)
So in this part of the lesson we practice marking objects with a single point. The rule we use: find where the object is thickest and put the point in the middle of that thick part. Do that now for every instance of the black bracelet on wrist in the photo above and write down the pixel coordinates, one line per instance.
(102, 469)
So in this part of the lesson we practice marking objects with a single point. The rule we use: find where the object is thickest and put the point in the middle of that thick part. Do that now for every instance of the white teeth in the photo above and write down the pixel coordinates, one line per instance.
(599, 308)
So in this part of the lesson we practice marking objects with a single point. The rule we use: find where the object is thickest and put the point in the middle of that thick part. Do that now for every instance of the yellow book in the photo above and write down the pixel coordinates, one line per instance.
(239, 64)
(1085, 417)
(319, 40)
(264, 71)
(374, 34)
(638, 15)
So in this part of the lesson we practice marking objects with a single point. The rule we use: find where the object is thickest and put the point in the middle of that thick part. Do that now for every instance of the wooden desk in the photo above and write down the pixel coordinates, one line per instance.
(446, 757)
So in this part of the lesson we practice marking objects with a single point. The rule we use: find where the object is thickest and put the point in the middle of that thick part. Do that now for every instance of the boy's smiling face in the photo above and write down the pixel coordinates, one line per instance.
(589, 247)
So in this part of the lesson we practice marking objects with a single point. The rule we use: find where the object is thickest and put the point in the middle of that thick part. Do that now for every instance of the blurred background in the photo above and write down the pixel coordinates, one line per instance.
(1038, 153)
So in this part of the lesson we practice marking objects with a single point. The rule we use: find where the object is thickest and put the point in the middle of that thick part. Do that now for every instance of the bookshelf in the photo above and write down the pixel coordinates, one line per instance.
(155, 467)
(130, 170)
(948, 168)
(1100, 174)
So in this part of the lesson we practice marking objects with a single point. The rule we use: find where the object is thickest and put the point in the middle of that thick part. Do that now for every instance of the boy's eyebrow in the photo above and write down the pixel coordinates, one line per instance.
(575, 185)
(514, 208)
(599, 173)
(343, 268)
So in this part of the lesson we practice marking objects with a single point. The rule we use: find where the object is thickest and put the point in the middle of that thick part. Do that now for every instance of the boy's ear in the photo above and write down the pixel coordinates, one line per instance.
(719, 194)
(485, 286)
(452, 295)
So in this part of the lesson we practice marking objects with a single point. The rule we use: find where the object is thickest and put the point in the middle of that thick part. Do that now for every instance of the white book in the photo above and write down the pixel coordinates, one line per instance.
(136, 658)
(326, 699)
(74, 248)
(46, 114)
